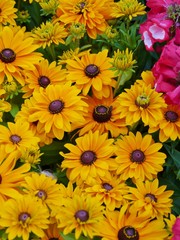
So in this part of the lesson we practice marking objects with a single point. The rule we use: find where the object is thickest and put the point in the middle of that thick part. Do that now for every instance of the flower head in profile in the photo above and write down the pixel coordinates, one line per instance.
(93, 71)
(91, 13)
(27, 215)
(17, 137)
(128, 9)
(89, 158)
(49, 33)
(125, 225)
(103, 115)
(57, 107)
(44, 74)
(151, 199)
(81, 214)
(141, 102)
(17, 53)
(169, 125)
(138, 157)
(48, 7)
(53, 232)
(7, 12)
(31, 155)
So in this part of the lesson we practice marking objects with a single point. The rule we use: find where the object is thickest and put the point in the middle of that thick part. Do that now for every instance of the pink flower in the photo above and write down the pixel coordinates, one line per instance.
(176, 229)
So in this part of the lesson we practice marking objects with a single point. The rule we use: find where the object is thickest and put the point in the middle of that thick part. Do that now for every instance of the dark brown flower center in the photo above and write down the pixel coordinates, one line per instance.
(107, 186)
(171, 116)
(41, 194)
(7, 55)
(151, 197)
(102, 113)
(91, 70)
(15, 139)
(56, 106)
(128, 233)
(82, 215)
(43, 81)
(137, 156)
(24, 216)
(88, 157)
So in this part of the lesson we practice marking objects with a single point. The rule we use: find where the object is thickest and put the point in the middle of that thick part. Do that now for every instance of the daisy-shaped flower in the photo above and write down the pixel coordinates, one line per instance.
(17, 137)
(45, 73)
(110, 189)
(138, 157)
(7, 12)
(93, 71)
(91, 13)
(150, 198)
(141, 102)
(128, 8)
(11, 178)
(82, 214)
(169, 125)
(57, 107)
(23, 216)
(89, 158)
(44, 188)
(122, 225)
(103, 115)
(49, 33)
(17, 53)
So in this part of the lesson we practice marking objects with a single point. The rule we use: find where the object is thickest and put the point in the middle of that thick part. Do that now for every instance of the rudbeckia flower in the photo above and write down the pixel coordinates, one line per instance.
(17, 53)
(57, 107)
(138, 157)
(7, 12)
(92, 71)
(89, 158)
(23, 216)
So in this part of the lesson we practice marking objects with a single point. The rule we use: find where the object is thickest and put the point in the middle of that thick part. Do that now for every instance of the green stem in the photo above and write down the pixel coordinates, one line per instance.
(52, 52)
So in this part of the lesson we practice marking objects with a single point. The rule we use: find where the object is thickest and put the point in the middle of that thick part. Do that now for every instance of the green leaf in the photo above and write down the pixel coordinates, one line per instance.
(14, 109)
(175, 155)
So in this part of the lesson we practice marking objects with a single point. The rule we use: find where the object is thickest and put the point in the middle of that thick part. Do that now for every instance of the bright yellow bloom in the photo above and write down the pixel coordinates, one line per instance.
(82, 214)
(49, 7)
(17, 53)
(91, 13)
(49, 33)
(7, 12)
(89, 158)
(17, 137)
(147, 78)
(23, 216)
(71, 54)
(57, 107)
(138, 157)
(128, 8)
(4, 105)
(53, 232)
(148, 198)
(31, 155)
(44, 74)
(141, 102)
(93, 71)
(124, 225)
(169, 125)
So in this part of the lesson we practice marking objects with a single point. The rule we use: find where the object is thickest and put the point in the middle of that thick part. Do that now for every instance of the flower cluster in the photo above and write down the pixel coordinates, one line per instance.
(89, 119)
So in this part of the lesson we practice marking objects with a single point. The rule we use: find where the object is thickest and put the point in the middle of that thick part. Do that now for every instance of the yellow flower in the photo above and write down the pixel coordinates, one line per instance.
(44, 74)
(49, 33)
(148, 198)
(169, 125)
(89, 158)
(31, 155)
(147, 78)
(48, 7)
(7, 12)
(81, 214)
(110, 190)
(10, 178)
(57, 107)
(17, 53)
(141, 102)
(23, 216)
(103, 115)
(44, 188)
(53, 232)
(128, 8)
(93, 71)
(91, 13)
(124, 225)
(17, 137)
(138, 157)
